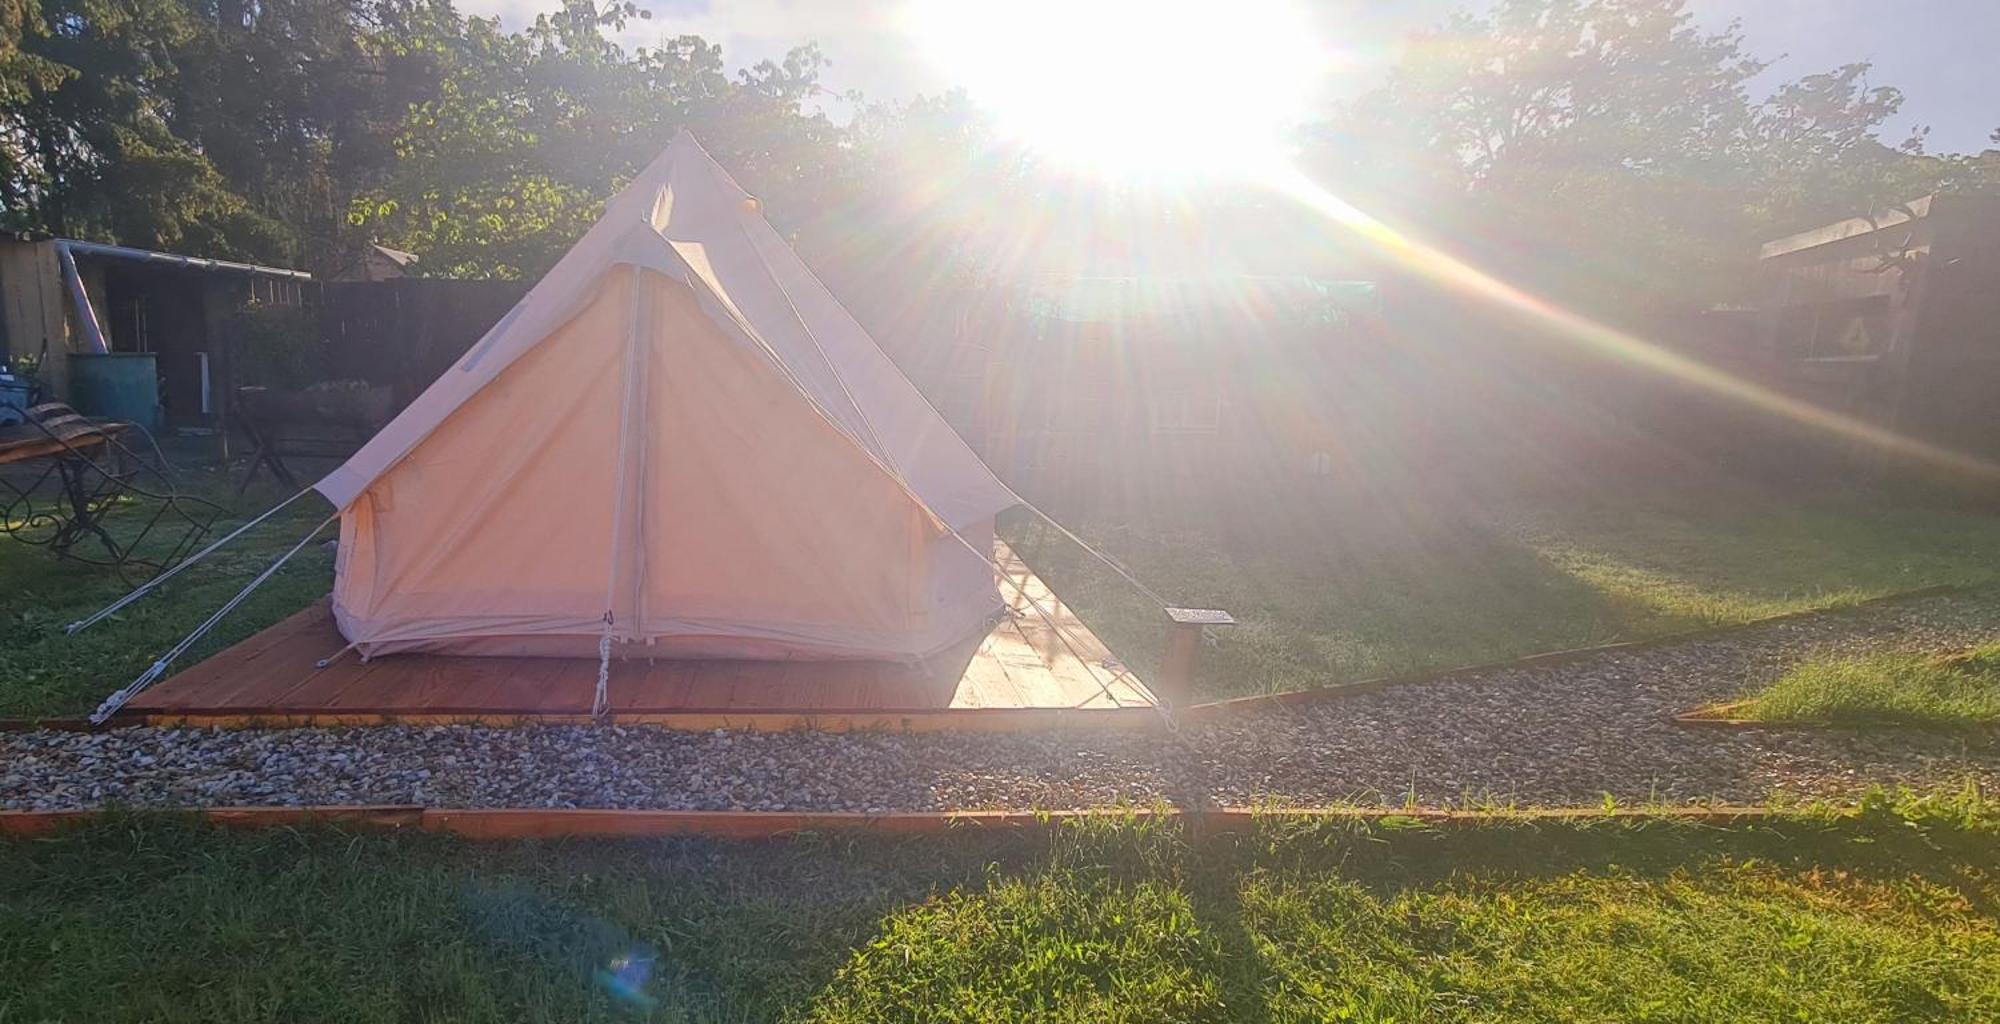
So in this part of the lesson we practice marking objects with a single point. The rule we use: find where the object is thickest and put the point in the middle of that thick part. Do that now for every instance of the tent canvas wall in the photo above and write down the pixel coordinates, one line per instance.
(677, 440)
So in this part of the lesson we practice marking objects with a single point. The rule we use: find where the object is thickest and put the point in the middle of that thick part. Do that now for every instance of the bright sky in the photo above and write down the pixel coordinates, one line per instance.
(1939, 52)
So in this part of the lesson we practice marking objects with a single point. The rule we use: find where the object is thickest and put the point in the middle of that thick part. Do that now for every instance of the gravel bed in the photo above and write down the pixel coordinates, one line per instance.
(1562, 734)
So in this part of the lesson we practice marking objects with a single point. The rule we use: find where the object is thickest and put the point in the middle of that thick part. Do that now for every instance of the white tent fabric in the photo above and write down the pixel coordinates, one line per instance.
(678, 428)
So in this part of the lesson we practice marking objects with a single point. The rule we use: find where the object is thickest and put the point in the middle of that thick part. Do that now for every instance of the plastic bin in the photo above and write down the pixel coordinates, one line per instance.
(117, 385)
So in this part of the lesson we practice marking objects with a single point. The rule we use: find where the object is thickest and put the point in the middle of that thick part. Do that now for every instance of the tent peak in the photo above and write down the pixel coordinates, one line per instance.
(686, 217)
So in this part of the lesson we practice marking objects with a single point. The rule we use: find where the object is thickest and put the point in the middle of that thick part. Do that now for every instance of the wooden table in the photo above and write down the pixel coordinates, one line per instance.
(24, 442)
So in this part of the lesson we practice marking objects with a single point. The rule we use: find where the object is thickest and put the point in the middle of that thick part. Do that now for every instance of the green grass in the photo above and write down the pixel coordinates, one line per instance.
(45, 672)
(1326, 592)
(1329, 594)
(1889, 917)
(1887, 689)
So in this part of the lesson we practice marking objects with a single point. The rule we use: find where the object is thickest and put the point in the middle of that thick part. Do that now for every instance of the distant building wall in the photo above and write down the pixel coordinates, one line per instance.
(33, 321)
(1894, 318)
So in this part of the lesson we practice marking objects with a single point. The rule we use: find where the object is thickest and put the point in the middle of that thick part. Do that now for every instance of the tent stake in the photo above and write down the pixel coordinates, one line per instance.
(1184, 634)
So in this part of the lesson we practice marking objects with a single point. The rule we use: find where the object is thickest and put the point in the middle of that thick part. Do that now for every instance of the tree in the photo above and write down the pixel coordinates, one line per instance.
(527, 134)
(295, 131)
(1596, 134)
(1820, 155)
(296, 103)
(1607, 152)
(85, 139)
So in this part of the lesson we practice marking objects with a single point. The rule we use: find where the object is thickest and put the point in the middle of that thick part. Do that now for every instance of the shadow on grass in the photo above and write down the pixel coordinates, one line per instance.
(1742, 554)
(1323, 606)
(1886, 917)
(1335, 592)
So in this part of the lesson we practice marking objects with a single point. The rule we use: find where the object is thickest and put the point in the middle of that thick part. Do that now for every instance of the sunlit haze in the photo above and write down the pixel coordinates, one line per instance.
(1130, 89)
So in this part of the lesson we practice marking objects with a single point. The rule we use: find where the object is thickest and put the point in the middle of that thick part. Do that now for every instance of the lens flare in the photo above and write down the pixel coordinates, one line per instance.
(624, 977)
(1136, 89)
(1456, 275)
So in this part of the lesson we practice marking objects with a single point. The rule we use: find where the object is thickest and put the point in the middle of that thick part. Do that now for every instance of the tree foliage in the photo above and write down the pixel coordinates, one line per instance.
(297, 130)
(1609, 150)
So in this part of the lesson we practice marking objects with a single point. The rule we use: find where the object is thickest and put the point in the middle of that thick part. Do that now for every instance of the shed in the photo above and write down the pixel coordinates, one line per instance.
(170, 305)
(1893, 316)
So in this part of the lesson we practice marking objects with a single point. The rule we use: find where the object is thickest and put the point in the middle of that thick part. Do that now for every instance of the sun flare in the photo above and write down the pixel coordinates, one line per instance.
(1130, 89)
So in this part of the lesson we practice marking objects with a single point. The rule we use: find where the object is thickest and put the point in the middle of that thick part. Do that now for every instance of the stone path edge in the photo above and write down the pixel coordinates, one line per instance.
(1722, 716)
(553, 823)
(1001, 720)
(1323, 694)
(947, 720)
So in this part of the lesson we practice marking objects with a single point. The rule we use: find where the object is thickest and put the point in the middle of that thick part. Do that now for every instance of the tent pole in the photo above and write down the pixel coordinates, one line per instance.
(601, 701)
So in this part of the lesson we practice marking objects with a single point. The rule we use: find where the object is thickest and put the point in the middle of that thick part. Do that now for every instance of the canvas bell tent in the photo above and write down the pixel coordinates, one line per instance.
(676, 445)
(678, 442)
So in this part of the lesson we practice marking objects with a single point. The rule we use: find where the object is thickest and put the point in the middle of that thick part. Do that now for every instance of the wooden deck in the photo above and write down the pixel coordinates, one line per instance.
(1023, 674)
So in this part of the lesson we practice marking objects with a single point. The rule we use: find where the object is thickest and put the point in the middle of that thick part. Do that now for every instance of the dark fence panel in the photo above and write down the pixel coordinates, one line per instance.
(405, 333)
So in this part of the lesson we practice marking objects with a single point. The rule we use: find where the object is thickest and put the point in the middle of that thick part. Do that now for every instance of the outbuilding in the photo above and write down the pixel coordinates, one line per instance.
(128, 333)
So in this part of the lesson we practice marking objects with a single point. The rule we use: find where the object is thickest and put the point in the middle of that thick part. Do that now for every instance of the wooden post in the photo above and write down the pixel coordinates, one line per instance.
(1184, 632)
(218, 304)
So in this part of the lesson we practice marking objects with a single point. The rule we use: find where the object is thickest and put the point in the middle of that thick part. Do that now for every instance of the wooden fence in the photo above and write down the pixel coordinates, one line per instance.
(405, 333)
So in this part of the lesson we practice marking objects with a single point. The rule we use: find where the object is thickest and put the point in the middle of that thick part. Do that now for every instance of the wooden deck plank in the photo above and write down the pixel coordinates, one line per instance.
(761, 687)
(708, 689)
(845, 686)
(1025, 663)
(527, 685)
(386, 684)
(247, 667)
(307, 686)
(441, 681)
(1042, 682)
(570, 688)
(663, 685)
(1076, 657)
(984, 683)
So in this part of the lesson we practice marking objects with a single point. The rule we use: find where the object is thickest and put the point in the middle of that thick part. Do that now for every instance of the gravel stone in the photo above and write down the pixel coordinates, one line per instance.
(1565, 734)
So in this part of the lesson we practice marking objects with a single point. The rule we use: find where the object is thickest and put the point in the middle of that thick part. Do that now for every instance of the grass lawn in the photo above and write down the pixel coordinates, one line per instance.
(1890, 689)
(1329, 595)
(1326, 593)
(1890, 917)
(44, 672)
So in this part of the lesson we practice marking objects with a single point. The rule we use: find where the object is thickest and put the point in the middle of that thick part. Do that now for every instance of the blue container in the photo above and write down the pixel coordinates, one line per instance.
(117, 386)
(14, 394)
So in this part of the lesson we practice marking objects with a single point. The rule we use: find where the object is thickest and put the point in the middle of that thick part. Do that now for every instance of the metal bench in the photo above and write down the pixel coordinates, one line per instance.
(62, 474)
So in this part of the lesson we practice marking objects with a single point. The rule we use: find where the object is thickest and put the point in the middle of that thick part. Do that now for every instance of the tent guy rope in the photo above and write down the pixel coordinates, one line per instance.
(150, 585)
(159, 668)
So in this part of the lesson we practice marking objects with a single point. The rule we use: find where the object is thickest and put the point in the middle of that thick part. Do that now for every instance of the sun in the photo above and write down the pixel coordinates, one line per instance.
(1161, 90)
